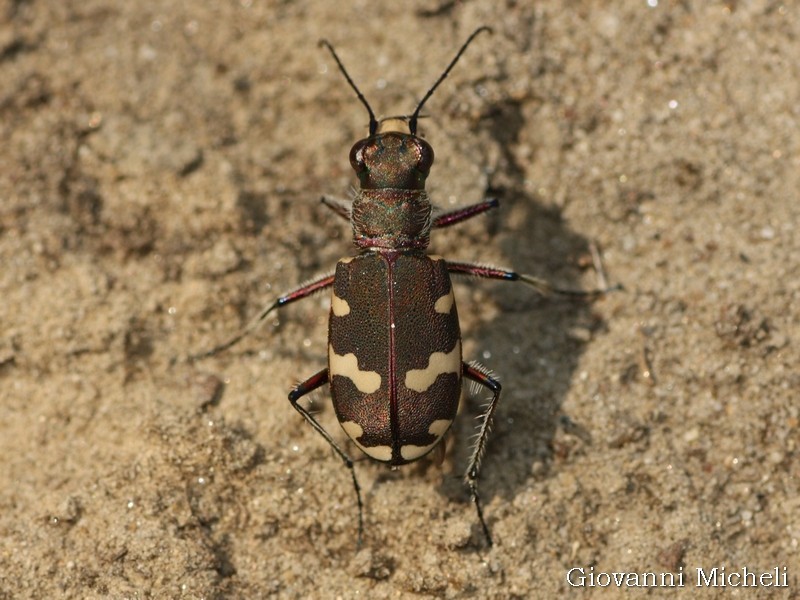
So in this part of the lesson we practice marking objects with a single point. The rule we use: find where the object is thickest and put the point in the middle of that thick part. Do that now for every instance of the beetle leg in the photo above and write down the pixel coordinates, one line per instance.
(462, 214)
(302, 292)
(481, 376)
(301, 389)
(540, 285)
(337, 205)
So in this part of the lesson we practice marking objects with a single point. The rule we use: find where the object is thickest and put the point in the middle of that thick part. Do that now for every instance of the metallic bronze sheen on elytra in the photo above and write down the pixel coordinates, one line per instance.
(392, 328)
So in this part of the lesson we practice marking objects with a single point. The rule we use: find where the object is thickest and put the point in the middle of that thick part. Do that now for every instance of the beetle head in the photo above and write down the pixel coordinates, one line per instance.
(392, 158)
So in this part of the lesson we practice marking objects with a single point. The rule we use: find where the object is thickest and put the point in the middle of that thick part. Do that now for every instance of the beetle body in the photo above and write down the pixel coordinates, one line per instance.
(394, 344)
(394, 353)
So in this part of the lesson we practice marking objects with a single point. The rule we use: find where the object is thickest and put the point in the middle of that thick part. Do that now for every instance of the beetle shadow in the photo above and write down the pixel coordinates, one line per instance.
(533, 344)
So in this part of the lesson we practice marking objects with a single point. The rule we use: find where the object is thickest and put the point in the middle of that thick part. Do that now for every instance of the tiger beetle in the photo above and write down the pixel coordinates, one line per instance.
(394, 343)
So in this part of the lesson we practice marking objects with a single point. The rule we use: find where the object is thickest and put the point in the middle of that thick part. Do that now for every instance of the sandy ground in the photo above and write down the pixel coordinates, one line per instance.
(160, 170)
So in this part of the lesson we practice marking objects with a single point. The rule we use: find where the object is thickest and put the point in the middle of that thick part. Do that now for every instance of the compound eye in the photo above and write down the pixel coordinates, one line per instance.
(357, 160)
(425, 156)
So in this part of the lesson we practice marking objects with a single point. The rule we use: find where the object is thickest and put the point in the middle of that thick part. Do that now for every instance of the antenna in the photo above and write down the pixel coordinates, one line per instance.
(412, 123)
(373, 122)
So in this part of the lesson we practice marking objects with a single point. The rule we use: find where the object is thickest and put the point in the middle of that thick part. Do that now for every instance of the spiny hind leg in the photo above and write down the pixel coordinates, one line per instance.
(481, 376)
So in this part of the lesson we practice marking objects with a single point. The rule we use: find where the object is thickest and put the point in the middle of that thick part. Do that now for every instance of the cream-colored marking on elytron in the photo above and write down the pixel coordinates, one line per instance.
(355, 431)
(339, 306)
(438, 429)
(439, 363)
(346, 259)
(435, 257)
(445, 304)
(347, 366)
